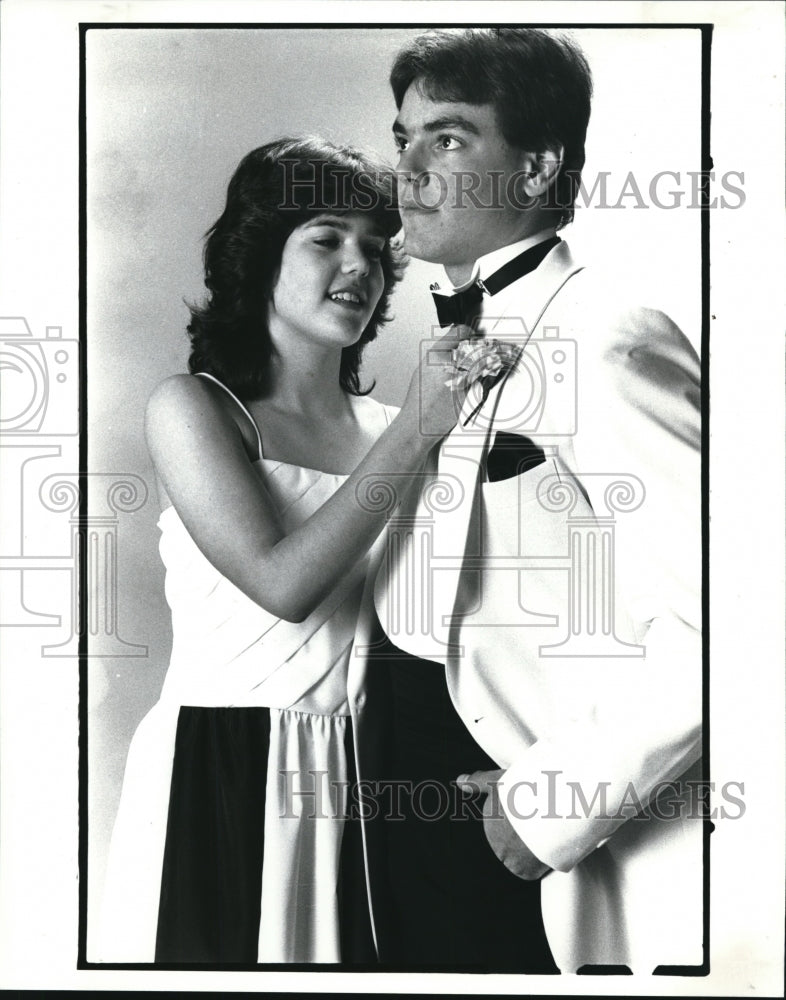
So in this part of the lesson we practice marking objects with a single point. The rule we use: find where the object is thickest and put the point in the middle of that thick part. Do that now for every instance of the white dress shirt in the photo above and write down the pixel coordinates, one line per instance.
(489, 263)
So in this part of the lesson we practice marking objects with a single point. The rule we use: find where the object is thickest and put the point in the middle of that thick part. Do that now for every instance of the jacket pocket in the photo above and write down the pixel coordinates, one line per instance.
(518, 490)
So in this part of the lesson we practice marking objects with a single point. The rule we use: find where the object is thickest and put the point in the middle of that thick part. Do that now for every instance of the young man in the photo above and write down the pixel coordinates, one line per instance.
(541, 597)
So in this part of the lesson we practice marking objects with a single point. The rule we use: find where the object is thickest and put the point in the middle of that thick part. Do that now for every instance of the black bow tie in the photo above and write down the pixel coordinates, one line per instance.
(464, 306)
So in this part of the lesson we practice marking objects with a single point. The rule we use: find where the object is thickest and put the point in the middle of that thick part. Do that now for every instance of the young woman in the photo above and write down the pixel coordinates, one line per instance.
(231, 844)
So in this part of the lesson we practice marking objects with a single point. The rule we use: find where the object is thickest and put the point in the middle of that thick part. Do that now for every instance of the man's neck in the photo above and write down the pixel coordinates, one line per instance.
(460, 274)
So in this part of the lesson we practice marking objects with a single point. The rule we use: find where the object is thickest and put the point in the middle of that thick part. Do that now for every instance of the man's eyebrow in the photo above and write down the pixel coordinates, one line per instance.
(440, 124)
(452, 121)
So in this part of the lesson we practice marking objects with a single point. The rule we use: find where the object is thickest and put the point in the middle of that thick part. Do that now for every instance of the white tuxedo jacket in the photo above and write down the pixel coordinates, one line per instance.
(565, 604)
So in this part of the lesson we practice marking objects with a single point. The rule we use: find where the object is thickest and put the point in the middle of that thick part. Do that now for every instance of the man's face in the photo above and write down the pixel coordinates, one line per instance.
(461, 185)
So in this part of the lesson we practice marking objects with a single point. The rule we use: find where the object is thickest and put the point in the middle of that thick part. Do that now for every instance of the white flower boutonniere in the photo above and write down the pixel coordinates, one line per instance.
(483, 362)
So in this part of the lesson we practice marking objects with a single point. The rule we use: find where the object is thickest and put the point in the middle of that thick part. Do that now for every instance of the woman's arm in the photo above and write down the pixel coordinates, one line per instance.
(198, 452)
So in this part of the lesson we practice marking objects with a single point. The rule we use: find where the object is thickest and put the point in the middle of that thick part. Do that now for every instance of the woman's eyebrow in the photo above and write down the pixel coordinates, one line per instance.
(327, 220)
(337, 222)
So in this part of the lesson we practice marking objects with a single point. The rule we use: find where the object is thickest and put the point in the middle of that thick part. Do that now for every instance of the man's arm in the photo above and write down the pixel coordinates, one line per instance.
(638, 415)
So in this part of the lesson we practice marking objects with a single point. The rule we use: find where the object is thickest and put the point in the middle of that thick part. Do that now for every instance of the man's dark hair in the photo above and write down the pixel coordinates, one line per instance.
(538, 81)
(275, 189)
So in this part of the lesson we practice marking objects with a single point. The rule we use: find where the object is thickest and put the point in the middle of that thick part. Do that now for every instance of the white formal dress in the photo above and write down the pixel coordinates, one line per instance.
(229, 652)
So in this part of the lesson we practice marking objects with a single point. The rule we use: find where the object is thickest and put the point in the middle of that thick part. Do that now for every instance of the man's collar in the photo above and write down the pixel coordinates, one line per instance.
(493, 261)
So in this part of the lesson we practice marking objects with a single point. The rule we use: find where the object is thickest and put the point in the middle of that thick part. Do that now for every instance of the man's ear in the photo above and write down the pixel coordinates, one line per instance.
(540, 170)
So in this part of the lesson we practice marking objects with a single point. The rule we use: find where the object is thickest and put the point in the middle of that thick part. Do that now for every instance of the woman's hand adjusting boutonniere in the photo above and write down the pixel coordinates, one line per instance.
(503, 839)
(483, 362)
(435, 409)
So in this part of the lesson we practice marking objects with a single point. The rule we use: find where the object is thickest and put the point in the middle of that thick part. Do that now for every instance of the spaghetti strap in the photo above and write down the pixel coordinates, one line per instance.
(242, 407)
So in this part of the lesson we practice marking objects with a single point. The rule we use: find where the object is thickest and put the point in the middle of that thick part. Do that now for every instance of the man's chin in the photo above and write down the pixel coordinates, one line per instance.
(421, 249)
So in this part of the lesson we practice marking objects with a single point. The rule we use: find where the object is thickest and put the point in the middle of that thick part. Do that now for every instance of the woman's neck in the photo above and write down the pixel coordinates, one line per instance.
(307, 382)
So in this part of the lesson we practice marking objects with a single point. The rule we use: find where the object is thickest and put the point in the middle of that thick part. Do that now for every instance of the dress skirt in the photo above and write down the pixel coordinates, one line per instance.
(252, 857)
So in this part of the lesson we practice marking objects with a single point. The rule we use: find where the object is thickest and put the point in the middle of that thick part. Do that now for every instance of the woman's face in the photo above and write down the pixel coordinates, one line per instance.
(329, 282)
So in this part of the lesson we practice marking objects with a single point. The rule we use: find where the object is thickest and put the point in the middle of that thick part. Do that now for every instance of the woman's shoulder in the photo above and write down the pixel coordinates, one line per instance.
(373, 412)
(183, 388)
(183, 399)
(189, 407)
(179, 386)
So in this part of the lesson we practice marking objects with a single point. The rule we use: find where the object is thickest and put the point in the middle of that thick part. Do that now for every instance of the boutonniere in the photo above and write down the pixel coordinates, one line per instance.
(480, 361)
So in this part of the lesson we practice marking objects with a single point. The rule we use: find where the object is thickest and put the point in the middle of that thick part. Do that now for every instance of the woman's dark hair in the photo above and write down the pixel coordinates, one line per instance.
(538, 81)
(275, 189)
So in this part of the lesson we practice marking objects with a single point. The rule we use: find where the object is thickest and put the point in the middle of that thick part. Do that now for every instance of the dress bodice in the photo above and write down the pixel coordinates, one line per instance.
(227, 650)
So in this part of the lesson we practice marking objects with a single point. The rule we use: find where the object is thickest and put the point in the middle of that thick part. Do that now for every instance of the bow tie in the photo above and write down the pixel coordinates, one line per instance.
(464, 307)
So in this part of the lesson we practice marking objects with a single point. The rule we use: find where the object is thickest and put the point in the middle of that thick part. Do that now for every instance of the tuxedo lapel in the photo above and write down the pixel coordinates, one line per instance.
(427, 543)
(519, 311)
